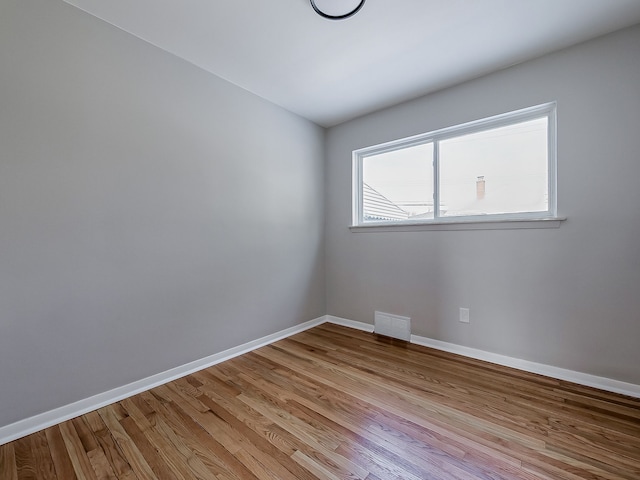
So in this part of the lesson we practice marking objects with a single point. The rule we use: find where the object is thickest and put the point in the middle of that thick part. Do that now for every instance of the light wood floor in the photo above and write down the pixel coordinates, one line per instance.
(337, 403)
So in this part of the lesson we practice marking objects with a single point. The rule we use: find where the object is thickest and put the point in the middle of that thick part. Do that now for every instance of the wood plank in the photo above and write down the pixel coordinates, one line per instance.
(126, 444)
(315, 415)
(59, 455)
(260, 444)
(177, 457)
(44, 467)
(77, 454)
(85, 434)
(25, 459)
(107, 444)
(191, 434)
(101, 465)
(8, 467)
(314, 467)
(209, 434)
(151, 455)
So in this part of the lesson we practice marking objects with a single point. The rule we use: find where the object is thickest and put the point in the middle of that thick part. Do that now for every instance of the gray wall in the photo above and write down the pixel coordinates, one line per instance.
(568, 297)
(151, 214)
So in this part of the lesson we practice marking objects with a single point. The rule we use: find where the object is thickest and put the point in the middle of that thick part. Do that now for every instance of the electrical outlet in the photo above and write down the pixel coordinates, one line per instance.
(464, 315)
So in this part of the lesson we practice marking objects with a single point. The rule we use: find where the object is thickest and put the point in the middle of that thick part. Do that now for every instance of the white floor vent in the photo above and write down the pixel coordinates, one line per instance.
(392, 325)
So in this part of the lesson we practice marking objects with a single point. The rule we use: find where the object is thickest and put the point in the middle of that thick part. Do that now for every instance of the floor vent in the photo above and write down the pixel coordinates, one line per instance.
(392, 326)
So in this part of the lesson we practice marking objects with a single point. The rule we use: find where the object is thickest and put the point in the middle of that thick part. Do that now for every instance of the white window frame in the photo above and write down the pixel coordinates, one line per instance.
(548, 218)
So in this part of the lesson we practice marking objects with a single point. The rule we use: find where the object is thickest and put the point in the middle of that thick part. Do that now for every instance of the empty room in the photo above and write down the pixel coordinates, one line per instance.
(320, 239)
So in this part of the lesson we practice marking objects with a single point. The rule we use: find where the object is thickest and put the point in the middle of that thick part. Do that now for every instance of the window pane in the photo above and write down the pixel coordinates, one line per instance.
(398, 185)
(501, 170)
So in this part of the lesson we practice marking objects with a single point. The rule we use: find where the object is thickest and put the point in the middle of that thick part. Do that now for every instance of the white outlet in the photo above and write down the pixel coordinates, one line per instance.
(464, 315)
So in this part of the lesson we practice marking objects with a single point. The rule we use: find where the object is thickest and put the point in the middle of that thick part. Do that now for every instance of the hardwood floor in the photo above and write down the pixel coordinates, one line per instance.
(337, 403)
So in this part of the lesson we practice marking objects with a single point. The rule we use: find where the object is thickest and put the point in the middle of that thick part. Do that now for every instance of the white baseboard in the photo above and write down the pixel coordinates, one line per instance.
(44, 420)
(580, 378)
(365, 327)
(603, 383)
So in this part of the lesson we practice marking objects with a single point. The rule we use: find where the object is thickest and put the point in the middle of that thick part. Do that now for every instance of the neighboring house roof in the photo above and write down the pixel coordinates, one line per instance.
(376, 206)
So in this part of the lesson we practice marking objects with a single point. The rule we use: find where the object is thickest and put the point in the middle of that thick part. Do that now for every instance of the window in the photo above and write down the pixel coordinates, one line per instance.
(495, 169)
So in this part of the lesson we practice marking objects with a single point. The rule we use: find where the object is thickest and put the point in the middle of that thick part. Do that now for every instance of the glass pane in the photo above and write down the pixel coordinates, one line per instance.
(398, 185)
(501, 170)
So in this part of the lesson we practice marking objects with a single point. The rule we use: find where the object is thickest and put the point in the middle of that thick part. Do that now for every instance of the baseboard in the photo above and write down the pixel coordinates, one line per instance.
(365, 327)
(603, 383)
(44, 420)
(580, 378)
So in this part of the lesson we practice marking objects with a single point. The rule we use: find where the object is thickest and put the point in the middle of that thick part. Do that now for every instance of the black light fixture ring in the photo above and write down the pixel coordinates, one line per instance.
(336, 17)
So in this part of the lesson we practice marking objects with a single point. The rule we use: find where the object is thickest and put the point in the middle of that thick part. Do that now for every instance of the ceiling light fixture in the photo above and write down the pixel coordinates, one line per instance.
(337, 9)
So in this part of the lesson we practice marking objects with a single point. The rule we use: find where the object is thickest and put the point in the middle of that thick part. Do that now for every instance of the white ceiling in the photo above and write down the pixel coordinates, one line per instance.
(391, 51)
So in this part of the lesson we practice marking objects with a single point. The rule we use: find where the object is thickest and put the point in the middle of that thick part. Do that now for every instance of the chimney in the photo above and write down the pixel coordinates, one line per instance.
(480, 187)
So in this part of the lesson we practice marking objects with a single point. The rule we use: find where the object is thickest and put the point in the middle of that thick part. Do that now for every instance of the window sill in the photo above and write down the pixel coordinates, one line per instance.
(511, 224)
